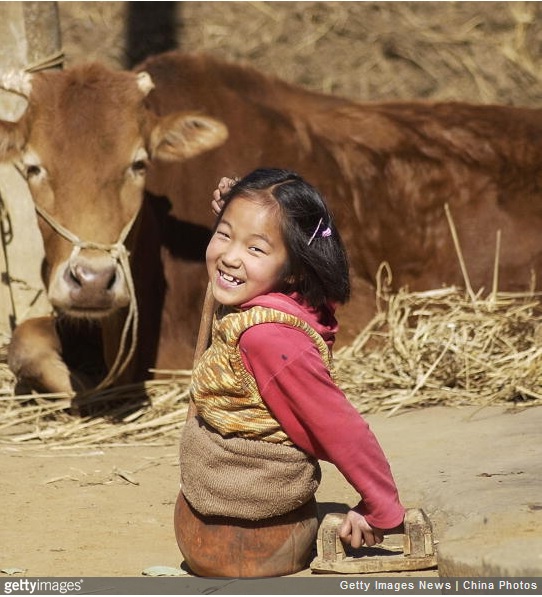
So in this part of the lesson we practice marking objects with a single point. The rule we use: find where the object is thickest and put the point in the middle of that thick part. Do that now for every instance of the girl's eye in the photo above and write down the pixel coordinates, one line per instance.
(257, 250)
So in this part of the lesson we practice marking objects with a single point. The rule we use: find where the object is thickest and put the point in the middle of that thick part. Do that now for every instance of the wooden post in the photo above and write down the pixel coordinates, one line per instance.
(30, 35)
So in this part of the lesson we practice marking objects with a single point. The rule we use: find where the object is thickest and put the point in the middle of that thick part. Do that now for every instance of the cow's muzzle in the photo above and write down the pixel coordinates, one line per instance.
(95, 283)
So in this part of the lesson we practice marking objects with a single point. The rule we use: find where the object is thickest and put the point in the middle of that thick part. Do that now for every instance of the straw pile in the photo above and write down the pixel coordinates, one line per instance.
(446, 346)
(441, 347)
(150, 413)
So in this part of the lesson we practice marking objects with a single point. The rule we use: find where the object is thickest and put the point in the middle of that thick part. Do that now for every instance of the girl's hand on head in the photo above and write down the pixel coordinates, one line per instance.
(224, 186)
(356, 531)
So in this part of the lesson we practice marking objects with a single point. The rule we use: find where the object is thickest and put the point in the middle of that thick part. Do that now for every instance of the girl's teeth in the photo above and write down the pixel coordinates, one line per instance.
(229, 278)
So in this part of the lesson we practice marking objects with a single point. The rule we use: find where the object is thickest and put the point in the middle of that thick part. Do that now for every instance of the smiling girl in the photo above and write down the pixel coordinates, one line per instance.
(267, 405)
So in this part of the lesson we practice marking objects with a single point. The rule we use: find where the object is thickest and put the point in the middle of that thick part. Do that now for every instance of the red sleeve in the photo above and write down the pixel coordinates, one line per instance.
(317, 416)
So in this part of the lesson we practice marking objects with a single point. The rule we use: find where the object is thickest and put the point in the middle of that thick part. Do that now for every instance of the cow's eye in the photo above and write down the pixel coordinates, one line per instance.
(32, 171)
(139, 167)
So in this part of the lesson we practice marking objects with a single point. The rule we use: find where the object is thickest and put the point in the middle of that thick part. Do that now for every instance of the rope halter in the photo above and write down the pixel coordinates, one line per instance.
(118, 253)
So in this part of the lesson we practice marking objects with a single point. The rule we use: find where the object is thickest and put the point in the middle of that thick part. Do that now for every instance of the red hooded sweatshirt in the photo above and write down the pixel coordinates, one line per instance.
(297, 388)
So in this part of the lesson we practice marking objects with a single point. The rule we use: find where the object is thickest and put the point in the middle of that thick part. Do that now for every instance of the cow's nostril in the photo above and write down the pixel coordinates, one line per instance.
(112, 281)
(74, 276)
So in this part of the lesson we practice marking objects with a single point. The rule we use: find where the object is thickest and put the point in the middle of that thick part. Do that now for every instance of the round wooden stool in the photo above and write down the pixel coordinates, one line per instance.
(217, 546)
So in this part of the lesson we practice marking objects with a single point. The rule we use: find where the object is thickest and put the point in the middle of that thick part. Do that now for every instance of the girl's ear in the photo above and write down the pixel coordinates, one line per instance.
(290, 283)
(287, 275)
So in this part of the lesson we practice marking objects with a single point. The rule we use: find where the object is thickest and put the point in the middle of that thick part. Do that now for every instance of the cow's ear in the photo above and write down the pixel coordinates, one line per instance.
(13, 105)
(181, 136)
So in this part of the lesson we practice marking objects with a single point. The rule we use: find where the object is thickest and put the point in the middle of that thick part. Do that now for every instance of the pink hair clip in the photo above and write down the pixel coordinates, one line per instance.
(326, 232)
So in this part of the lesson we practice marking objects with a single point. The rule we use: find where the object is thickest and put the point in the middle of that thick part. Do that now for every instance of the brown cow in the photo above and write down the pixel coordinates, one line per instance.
(83, 145)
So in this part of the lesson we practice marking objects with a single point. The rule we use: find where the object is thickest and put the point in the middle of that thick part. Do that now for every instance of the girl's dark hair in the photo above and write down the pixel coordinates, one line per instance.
(317, 259)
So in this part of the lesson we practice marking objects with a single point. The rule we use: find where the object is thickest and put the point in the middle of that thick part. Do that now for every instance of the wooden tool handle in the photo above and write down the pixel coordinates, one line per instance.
(205, 324)
(204, 335)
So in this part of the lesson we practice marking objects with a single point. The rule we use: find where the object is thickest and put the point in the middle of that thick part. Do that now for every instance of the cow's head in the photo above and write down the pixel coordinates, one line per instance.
(83, 144)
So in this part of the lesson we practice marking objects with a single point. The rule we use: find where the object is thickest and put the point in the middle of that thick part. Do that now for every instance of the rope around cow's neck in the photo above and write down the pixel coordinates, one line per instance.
(119, 253)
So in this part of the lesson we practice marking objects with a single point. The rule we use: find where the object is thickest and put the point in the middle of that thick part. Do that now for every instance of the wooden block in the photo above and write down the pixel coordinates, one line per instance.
(418, 549)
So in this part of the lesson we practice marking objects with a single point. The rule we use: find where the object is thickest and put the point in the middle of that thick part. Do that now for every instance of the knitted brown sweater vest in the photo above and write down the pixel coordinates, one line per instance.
(236, 460)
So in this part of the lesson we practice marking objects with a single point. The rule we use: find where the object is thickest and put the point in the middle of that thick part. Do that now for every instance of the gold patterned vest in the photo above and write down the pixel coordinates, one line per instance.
(225, 393)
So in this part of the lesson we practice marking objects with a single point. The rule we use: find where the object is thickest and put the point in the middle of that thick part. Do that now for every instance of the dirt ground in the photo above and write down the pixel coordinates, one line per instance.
(106, 511)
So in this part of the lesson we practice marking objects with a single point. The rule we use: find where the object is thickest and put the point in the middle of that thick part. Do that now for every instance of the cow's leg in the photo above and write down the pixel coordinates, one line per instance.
(35, 357)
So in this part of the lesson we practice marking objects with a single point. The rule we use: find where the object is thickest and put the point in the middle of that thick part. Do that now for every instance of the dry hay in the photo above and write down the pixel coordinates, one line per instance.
(474, 51)
(445, 347)
(439, 347)
(150, 413)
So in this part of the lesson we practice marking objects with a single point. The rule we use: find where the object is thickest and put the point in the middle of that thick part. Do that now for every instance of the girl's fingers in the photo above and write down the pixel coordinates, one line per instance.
(225, 184)
(370, 538)
(351, 533)
(356, 531)
(379, 536)
(216, 206)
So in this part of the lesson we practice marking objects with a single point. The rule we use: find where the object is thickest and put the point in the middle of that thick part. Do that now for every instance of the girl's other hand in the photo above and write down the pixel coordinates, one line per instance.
(223, 188)
(356, 531)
